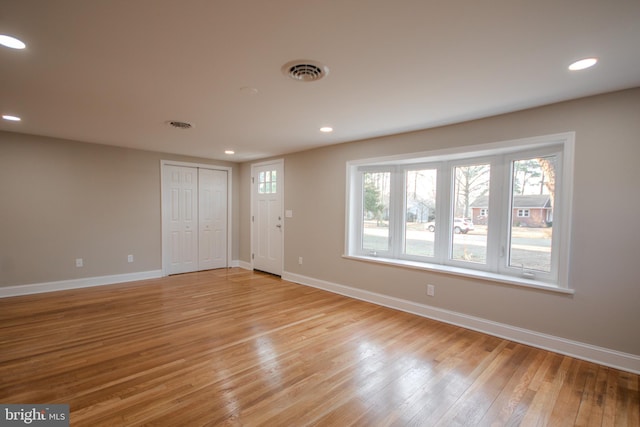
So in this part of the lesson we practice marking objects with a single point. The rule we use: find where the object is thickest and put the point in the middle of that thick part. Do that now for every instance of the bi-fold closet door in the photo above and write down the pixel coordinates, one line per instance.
(194, 219)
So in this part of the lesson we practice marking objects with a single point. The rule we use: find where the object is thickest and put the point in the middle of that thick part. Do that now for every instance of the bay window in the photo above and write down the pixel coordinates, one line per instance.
(498, 211)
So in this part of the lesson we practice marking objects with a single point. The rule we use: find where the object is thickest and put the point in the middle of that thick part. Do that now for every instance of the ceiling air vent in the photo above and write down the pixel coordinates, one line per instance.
(305, 71)
(180, 125)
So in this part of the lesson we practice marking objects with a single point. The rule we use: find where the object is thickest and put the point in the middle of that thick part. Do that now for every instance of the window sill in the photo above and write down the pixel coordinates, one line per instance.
(484, 275)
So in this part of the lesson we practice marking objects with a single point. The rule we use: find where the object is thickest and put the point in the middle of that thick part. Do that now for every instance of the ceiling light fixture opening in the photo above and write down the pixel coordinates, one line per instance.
(179, 125)
(11, 42)
(248, 90)
(583, 64)
(229, 152)
(326, 129)
(305, 70)
(11, 118)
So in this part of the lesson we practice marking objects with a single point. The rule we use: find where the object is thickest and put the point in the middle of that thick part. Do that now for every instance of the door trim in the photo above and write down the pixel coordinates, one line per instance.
(164, 235)
(252, 185)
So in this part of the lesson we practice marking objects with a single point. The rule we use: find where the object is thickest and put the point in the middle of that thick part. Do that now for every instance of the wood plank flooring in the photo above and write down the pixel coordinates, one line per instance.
(234, 347)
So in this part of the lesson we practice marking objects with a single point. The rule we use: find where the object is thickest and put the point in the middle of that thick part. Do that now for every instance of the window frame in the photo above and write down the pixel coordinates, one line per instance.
(554, 276)
(402, 176)
(360, 229)
(500, 157)
(450, 214)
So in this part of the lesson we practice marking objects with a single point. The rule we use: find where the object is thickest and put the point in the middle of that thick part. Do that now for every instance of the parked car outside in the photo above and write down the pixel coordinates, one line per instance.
(460, 225)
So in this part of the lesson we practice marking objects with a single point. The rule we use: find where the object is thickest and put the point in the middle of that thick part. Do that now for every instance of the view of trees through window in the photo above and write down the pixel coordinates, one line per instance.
(471, 182)
(532, 201)
(375, 236)
(420, 208)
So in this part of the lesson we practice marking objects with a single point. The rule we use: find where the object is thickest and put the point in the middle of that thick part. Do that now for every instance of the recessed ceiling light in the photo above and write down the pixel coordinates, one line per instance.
(583, 64)
(248, 90)
(11, 118)
(326, 129)
(229, 152)
(11, 42)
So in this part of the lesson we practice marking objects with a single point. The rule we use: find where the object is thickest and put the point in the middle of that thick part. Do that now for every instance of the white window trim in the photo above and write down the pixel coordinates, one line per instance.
(517, 148)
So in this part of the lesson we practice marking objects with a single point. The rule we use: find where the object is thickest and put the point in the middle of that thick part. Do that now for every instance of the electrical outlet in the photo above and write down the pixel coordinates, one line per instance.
(300, 260)
(431, 290)
(79, 262)
(129, 258)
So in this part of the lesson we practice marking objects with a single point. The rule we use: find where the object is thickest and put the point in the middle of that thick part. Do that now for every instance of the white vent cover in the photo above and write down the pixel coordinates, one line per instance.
(305, 70)
(179, 125)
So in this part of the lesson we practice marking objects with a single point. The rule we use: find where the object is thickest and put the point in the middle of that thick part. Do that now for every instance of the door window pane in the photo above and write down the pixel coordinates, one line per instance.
(375, 232)
(533, 184)
(274, 180)
(470, 193)
(419, 212)
(267, 182)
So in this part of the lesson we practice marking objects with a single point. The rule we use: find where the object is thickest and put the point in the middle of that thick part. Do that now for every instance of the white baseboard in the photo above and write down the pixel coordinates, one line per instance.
(603, 356)
(244, 265)
(37, 288)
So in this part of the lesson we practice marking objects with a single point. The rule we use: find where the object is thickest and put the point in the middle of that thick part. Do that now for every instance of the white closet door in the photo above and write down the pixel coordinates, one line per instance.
(212, 213)
(181, 194)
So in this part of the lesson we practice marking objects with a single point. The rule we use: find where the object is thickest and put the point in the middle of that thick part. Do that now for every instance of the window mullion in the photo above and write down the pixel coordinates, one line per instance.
(396, 217)
(442, 239)
(356, 213)
(497, 232)
(557, 239)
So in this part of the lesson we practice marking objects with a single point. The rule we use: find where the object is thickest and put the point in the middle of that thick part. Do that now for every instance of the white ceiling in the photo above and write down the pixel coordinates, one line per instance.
(114, 71)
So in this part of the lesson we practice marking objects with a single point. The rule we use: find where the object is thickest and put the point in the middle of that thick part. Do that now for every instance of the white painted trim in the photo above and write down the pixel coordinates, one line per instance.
(604, 356)
(461, 271)
(241, 264)
(469, 151)
(244, 265)
(38, 288)
(164, 237)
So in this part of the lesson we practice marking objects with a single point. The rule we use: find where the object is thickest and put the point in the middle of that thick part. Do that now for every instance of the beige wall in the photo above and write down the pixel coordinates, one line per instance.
(605, 310)
(62, 200)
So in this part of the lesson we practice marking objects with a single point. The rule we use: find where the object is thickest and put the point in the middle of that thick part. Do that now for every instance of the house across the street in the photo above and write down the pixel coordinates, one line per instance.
(528, 210)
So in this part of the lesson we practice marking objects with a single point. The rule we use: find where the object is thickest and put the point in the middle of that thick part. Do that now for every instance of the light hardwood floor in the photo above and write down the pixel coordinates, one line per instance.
(233, 347)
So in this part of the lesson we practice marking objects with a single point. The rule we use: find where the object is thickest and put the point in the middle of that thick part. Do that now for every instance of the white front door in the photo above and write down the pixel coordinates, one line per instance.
(181, 195)
(267, 216)
(212, 214)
